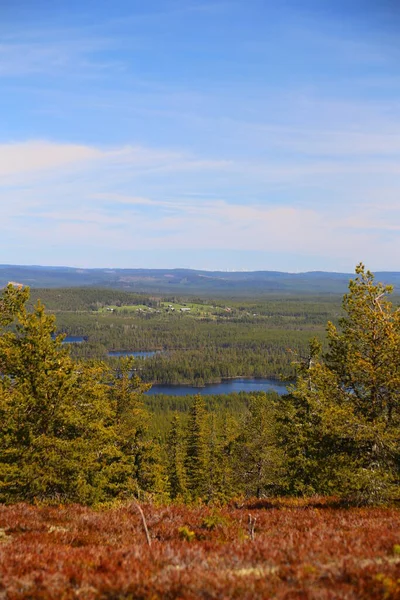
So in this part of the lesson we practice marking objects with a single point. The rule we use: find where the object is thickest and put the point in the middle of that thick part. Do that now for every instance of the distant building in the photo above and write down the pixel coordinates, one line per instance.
(185, 309)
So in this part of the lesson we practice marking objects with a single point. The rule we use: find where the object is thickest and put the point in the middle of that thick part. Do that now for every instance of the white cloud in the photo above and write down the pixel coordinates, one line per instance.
(131, 199)
(24, 157)
(20, 159)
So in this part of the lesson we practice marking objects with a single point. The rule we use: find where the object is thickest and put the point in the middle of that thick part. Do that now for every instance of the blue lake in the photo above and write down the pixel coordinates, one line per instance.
(226, 386)
(129, 353)
(74, 339)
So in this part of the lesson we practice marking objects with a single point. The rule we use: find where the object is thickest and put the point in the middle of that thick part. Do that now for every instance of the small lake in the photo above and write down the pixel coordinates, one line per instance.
(74, 339)
(129, 353)
(226, 386)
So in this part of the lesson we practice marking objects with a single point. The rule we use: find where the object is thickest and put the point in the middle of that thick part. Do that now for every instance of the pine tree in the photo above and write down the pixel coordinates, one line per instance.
(152, 477)
(130, 427)
(69, 431)
(47, 427)
(347, 404)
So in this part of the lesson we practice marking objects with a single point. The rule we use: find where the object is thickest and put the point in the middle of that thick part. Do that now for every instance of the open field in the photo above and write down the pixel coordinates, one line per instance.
(191, 309)
(300, 549)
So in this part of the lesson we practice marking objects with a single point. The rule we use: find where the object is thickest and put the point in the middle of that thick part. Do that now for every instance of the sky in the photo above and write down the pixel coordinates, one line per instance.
(207, 134)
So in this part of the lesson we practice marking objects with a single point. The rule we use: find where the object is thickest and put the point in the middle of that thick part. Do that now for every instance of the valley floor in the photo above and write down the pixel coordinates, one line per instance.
(298, 550)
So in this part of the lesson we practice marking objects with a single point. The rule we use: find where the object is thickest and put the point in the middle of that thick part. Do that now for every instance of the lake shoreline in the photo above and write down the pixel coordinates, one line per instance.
(225, 386)
(222, 379)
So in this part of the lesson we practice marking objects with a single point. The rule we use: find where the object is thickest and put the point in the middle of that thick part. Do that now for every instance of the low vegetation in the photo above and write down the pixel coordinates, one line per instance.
(297, 550)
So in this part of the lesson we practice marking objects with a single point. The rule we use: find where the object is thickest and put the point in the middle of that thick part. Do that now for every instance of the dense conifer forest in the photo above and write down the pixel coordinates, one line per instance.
(76, 427)
(215, 339)
(336, 432)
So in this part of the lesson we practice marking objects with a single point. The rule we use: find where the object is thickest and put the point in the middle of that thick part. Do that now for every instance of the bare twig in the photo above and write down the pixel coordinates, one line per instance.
(251, 527)
(143, 523)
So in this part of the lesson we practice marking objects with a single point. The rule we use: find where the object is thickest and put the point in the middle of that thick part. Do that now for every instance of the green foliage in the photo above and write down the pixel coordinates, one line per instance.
(222, 433)
(215, 520)
(259, 460)
(75, 430)
(69, 431)
(342, 422)
(196, 450)
(186, 534)
(176, 459)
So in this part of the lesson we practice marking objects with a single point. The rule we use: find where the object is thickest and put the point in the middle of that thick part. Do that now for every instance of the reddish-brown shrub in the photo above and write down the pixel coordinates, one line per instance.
(300, 550)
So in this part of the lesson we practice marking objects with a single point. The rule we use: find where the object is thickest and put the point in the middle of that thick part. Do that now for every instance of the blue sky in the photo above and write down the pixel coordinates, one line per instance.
(216, 134)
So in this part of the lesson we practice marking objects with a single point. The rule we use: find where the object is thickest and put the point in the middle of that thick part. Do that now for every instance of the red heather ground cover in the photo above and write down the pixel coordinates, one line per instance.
(300, 551)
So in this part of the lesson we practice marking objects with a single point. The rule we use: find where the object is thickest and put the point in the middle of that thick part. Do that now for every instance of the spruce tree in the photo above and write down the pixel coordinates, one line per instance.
(196, 450)
(258, 458)
(176, 461)
(221, 437)
(130, 427)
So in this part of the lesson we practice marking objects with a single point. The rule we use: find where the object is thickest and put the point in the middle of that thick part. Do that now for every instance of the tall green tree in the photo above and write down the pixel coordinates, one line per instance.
(223, 430)
(258, 457)
(176, 461)
(197, 463)
(69, 431)
(130, 428)
(344, 417)
(47, 427)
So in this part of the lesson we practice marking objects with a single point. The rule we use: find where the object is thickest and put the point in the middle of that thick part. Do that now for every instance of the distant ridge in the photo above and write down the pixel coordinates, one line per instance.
(189, 281)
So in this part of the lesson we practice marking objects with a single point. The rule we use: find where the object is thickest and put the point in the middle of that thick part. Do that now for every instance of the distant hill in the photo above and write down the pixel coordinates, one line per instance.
(186, 281)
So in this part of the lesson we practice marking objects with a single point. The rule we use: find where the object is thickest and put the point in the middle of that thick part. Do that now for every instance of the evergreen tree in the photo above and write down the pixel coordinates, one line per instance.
(196, 450)
(221, 437)
(69, 431)
(176, 461)
(46, 427)
(152, 477)
(346, 406)
(259, 460)
(130, 427)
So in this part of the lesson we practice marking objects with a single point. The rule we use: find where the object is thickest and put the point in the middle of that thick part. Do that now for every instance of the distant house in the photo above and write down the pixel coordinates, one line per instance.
(185, 309)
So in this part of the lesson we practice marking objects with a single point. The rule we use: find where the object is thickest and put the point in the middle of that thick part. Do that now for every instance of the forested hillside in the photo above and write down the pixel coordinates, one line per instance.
(210, 340)
(185, 281)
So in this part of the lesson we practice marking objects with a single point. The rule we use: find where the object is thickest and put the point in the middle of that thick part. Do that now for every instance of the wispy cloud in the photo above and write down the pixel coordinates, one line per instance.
(21, 160)
(139, 132)
(186, 226)
(27, 157)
